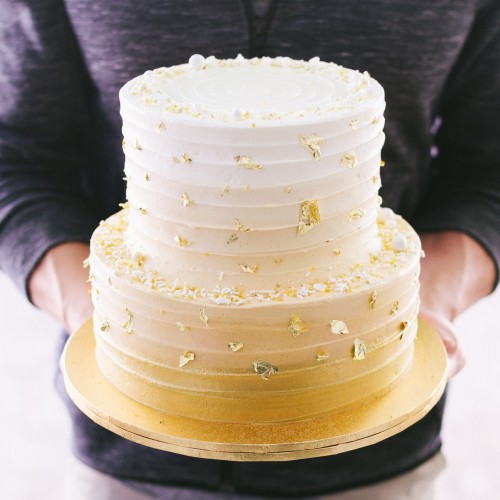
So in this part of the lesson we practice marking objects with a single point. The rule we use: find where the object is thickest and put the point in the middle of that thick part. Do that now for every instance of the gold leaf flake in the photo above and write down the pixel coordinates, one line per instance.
(249, 269)
(288, 189)
(349, 160)
(232, 239)
(186, 200)
(312, 143)
(359, 349)
(373, 299)
(308, 216)
(297, 326)
(395, 308)
(91, 277)
(181, 241)
(404, 327)
(235, 346)
(124, 205)
(204, 317)
(105, 326)
(337, 251)
(147, 177)
(86, 263)
(322, 356)
(142, 210)
(338, 327)
(180, 326)
(161, 127)
(185, 358)
(240, 227)
(129, 324)
(382, 163)
(245, 188)
(279, 260)
(183, 159)
(109, 280)
(137, 145)
(353, 124)
(375, 179)
(225, 190)
(124, 143)
(246, 162)
(357, 214)
(264, 369)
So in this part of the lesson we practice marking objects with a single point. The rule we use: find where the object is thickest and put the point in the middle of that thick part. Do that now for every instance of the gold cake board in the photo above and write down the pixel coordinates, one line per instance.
(409, 401)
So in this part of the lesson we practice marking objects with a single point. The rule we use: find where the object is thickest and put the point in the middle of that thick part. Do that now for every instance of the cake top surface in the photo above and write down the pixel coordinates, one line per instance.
(249, 92)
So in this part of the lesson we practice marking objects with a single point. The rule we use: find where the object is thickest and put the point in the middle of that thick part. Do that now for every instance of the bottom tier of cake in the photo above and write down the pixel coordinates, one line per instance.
(266, 356)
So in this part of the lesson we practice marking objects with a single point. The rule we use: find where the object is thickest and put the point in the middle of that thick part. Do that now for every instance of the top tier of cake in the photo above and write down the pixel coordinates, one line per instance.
(252, 173)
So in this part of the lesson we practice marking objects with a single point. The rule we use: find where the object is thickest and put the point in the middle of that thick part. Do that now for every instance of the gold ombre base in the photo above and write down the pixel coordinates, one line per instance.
(410, 400)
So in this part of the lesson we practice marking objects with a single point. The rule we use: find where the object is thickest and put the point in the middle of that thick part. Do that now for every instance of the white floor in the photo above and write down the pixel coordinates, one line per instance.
(35, 454)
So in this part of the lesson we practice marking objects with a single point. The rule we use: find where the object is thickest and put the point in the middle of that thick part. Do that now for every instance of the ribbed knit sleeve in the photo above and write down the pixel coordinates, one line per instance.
(42, 152)
(464, 189)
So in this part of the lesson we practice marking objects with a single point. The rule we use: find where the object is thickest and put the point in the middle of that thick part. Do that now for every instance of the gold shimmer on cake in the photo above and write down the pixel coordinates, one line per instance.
(124, 205)
(338, 327)
(373, 299)
(297, 326)
(395, 308)
(279, 260)
(235, 346)
(225, 190)
(204, 317)
(185, 358)
(264, 369)
(186, 200)
(233, 238)
(322, 356)
(312, 144)
(180, 326)
(147, 177)
(185, 158)
(104, 326)
(359, 349)
(161, 127)
(86, 263)
(288, 189)
(349, 160)
(404, 327)
(129, 323)
(246, 162)
(137, 145)
(124, 143)
(142, 211)
(357, 214)
(353, 124)
(240, 227)
(337, 252)
(181, 241)
(375, 179)
(308, 216)
(249, 269)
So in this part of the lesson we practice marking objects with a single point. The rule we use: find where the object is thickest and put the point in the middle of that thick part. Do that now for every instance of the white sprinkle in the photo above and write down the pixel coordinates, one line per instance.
(221, 275)
(399, 242)
(237, 114)
(385, 215)
(320, 287)
(197, 61)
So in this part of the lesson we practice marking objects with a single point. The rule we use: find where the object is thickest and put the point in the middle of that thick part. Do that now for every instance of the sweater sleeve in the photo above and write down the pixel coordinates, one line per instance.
(464, 187)
(42, 156)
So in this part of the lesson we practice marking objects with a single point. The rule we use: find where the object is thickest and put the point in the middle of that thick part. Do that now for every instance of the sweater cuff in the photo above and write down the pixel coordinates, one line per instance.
(28, 235)
(479, 223)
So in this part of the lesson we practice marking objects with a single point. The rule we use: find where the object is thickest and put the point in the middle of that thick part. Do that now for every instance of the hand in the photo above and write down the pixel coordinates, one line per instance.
(446, 330)
(455, 273)
(59, 285)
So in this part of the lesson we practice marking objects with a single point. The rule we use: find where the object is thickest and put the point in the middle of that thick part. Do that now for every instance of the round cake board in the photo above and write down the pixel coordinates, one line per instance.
(411, 399)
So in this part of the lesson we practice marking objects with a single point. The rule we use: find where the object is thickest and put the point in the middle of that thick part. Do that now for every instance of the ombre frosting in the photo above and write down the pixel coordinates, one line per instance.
(252, 275)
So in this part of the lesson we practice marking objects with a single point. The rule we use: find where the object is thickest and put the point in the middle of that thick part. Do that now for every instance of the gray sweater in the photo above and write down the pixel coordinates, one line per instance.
(61, 164)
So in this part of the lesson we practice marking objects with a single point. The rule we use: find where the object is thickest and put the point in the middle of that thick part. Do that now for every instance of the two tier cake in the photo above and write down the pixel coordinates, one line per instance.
(252, 275)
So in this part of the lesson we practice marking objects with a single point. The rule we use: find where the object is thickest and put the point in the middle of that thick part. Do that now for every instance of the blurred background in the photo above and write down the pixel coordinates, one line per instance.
(35, 453)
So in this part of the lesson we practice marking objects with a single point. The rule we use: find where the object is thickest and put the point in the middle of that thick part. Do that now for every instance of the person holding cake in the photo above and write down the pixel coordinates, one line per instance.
(62, 71)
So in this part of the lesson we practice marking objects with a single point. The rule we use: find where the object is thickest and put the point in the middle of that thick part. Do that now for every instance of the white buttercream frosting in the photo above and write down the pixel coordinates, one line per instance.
(253, 223)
